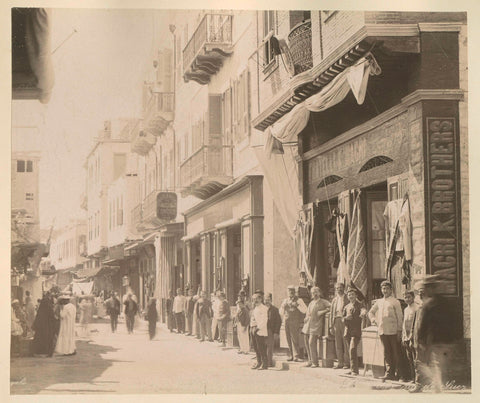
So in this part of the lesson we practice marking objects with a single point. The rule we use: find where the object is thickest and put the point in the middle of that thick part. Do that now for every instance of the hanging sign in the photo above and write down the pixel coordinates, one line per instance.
(166, 206)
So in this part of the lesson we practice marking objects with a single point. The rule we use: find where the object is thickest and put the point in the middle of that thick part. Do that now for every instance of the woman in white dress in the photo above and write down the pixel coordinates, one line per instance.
(66, 336)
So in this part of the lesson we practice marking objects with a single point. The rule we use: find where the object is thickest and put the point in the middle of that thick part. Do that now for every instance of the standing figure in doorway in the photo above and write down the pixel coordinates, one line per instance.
(293, 310)
(223, 316)
(353, 314)
(242, 319)
(313, 326)
(337, 327)
(189, 305)
(29, 311)
(204, 313)
(274, 324)
(179, 310)
(387, 314)
(169, 308)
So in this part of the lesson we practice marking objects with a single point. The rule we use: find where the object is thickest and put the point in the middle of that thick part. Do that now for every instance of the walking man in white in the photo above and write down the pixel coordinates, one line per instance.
(387, 315)
(66, 336)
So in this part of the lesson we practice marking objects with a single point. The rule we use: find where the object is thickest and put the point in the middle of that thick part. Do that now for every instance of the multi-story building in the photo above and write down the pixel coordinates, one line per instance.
(109, 184)
(159, 252)
(371, 107)
(68, 251)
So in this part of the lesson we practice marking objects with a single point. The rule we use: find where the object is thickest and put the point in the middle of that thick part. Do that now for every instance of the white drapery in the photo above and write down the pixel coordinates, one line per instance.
(281, 173)
(354, 78)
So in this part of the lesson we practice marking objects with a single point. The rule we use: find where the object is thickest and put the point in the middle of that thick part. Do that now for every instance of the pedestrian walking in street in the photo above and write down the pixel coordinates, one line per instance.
(66, 336)
(113, 310)
(242, 320)
(313, 326)
(293, 311)
(152, 317)
(337, 327)
(204, 313)
(29, 312)
(274, 324)
(20, 314)
(407, 332)
(259, 330)
(170, 315)
(434, 332)
(189, 305)
(16, 332)
(179, 310)
(353, 314)
(387, 315)
(86, 315)
(223, 316)
(44, 327)
(131, 309)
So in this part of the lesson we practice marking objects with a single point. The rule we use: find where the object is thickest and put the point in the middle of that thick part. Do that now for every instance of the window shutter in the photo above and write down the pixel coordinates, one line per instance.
(227, 115)
(246, 103)
(397, 186)
(215, 115)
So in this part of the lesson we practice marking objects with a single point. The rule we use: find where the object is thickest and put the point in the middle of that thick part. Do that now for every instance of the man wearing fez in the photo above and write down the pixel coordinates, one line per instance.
(337, 327)
(353, 313)
(293, 310)
(387, 314)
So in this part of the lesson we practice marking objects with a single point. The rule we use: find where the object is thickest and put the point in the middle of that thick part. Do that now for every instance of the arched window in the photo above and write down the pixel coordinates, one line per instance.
(329, 180)
(375, 162)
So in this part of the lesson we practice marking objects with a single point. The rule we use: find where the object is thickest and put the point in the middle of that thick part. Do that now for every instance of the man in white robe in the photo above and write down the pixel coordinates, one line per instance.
(66, 336)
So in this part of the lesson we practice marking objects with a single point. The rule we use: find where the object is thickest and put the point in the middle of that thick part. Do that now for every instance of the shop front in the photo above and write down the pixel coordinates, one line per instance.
(224, 240)
(383, 200)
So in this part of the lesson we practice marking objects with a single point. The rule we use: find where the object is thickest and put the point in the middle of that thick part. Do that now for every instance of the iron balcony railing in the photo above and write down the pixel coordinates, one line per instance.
(214, 29)
(207, 162)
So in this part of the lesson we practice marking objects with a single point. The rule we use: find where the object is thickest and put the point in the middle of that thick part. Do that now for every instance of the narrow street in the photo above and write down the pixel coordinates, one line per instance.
(171, 363)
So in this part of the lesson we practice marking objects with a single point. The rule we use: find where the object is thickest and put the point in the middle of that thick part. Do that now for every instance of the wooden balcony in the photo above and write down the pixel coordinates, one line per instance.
(143, 142)
(209, 45)
(136, 216)
(207, 171)
(300, 41)
(159, 112)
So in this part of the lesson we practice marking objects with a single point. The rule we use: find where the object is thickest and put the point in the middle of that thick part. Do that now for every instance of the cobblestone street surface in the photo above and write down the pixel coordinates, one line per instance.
(124, 364)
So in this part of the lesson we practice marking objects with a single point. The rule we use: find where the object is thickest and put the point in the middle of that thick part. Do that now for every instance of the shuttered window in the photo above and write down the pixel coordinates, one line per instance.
(240, 96)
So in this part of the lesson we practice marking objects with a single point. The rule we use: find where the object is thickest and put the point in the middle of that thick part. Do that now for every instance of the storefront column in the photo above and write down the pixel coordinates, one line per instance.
(188, 263)
(252, 251)
(205, 259)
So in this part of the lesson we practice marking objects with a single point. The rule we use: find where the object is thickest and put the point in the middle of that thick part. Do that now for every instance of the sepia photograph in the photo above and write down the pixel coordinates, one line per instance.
(239, 201)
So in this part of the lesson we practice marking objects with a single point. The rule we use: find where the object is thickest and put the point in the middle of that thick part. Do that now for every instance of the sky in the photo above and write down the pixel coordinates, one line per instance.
(99, 72)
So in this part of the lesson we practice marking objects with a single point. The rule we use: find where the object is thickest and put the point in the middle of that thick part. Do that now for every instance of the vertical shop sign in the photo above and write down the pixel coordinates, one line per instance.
(442, 202)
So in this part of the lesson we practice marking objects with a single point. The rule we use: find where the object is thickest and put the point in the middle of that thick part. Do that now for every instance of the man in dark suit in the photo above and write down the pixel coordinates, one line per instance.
(273, 325)
(337, 326)
(113, 310)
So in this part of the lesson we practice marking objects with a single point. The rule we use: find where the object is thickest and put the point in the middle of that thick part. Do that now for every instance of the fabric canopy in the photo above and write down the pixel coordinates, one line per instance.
(82, 288)
(354, 78)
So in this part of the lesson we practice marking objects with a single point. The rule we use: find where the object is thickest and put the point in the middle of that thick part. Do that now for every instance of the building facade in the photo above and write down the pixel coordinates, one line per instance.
(68, 251)
(374, 105)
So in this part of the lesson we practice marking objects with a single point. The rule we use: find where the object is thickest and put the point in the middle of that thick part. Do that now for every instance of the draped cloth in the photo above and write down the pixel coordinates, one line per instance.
(354, 78)
(356, 251)
(38, 44)
(281, 174)
(303, 242)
